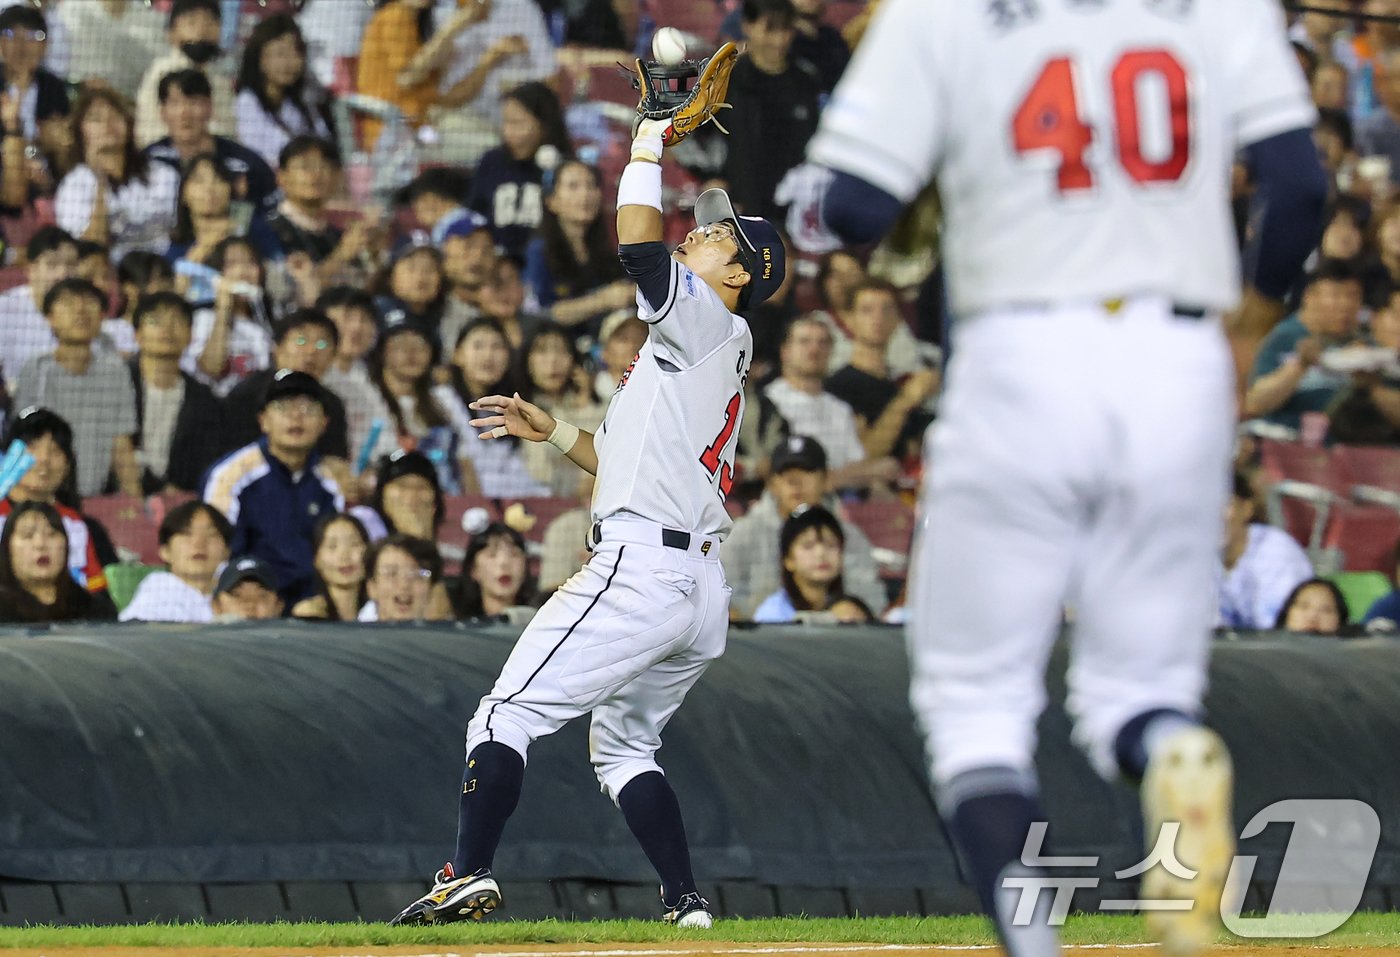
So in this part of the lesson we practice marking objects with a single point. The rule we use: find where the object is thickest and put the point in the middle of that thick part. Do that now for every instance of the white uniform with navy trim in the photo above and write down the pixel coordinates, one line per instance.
(632, 631)
(1082, 151)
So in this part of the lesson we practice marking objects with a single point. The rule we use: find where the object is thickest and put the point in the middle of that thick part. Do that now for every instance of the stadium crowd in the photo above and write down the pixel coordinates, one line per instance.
(262, 255)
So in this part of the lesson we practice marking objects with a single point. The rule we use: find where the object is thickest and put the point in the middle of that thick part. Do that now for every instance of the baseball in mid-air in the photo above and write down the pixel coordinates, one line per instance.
(668, 46)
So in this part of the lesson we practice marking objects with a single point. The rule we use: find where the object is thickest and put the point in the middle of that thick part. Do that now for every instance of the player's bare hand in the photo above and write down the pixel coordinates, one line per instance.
(514, 415)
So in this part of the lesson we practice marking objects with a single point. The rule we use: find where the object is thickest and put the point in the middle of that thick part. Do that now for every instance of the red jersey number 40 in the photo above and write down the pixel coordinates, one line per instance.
(711, 457)
(1049, 118)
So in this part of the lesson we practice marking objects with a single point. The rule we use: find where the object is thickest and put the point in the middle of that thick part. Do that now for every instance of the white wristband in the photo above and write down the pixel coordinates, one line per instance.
(564, 436)
(640, 185)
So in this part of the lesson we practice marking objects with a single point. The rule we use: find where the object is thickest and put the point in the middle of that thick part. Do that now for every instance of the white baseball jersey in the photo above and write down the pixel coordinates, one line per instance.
(1114, 122)
(666, 448)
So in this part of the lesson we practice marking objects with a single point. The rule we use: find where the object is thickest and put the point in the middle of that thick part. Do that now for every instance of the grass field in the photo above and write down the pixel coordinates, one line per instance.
(1366, 931)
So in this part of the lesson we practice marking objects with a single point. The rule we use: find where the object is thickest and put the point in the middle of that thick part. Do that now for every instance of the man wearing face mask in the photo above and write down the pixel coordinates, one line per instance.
(193, 34)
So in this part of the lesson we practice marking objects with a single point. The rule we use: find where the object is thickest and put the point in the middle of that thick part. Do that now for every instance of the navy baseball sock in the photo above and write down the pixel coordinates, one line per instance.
(490, 790)
(989, 813)
(1133, 745)
(654, 815)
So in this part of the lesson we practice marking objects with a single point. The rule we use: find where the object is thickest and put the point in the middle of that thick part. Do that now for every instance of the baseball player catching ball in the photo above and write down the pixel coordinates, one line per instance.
(627, 636)
(1082, 151)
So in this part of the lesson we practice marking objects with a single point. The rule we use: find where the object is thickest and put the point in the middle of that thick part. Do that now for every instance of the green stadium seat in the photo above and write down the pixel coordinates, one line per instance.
(1361, 589)
(123, 579)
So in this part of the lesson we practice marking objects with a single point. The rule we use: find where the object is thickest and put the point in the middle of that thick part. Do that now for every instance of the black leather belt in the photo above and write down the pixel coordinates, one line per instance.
(1187, 312)
(670, 537)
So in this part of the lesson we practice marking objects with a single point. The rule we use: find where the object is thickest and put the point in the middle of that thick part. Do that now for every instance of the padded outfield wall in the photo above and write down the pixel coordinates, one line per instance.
(221, 772)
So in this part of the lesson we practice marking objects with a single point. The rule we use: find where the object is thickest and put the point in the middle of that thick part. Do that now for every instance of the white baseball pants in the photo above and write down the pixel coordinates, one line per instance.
(1080, 460)
(625, 638)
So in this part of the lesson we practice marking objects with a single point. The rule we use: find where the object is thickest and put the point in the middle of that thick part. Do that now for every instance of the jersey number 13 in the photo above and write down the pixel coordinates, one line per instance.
(1049, 119)
(712, 458)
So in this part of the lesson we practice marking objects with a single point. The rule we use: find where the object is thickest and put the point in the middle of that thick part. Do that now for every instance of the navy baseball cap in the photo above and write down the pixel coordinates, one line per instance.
(246, 569)
(416, 241)
(798, 452)
(288, 382)
(760, 246)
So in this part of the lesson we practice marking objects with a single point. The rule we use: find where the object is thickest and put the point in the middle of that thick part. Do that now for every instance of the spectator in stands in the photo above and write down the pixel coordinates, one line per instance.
(891, 415)
(407, 498)
(1336, 147)
(1329, 87)
(37, 97)
(305, 342)
(411, 285)
(113, 41)
(95, 265)
(798, 480)
(1314, 607)
(775, 99)
(849, 610)
(1287, 379)
(138, 274)
(276, 489)
(233, 336)
(194, 540)
(549, 372)
(186, 106)
(468, 264)
(1385, 227)
(1379, 133)
(401, 57)
(192, 32)
(1261, 565)
(599, 24)
(621, 336)
(1367, 409)
(247, 591)
(51, 256)
(422, 414)
(357, 323)
(838, 274)
(509, 48)
(307, 170)
(51, 480)
(91, 389)
(503, 299)
(437, 197)
(340, 544)
(206, 215)
(810, 552)
(507, 188)
(1384, 613)
(494, 574)
(179, 423)
(801, 399)
(1344, 236)
(334, 31)
(571, 264)
(35, 586)
(403, 574)
(819, 43)
(481, 362)
(115, 195)
(276, 99)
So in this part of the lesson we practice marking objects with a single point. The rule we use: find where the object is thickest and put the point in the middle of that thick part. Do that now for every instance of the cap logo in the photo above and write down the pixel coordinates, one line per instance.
(767, 262)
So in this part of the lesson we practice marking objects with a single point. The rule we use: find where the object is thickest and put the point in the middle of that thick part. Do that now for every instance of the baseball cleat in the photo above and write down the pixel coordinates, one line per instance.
(1189, 784)
(453, 898)
(691, 910)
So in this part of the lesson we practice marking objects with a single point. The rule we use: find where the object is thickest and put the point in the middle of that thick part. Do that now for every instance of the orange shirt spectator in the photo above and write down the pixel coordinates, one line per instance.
(392, 39)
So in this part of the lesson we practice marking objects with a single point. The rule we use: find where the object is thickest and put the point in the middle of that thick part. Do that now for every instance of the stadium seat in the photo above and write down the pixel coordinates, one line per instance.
(700, 17)
(890, 528)
(1293, 461)
(1372, 471)
(452, 539)
(545, 511)
(1365, 535)
(123, 579)
(1361, 589)
(132, 529)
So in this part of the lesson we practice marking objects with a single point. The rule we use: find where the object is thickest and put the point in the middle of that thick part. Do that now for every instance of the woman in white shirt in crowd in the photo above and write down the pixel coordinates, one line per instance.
(194, 540)
(276, 99)
(233, 336)
(352, 311)
(115, 195)
(339, 544)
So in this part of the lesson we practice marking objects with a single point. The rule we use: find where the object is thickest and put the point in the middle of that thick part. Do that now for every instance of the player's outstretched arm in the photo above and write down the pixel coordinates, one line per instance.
(639, 190)
(512, 415)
